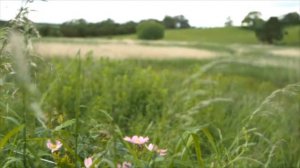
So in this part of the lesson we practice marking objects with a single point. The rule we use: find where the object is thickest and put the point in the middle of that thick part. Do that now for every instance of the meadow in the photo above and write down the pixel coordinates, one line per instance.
(230, 35)
(238, 109)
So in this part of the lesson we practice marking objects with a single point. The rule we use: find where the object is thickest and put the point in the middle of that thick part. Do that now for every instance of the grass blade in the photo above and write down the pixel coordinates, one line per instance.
(9, 135)
(196, 140)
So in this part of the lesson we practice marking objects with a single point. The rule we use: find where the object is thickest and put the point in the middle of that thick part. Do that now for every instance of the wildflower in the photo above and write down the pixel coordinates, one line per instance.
(151, 147)
(161, 152)
(139, 140)
(124, 165)
(88, 162)
(54, 147)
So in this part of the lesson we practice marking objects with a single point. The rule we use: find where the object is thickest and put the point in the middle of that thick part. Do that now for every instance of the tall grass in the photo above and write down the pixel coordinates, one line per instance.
(209, 110)
(211, 115)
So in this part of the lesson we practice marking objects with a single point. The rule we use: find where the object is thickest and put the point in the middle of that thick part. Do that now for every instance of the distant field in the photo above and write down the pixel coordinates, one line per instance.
(293, 36)
(224, 35)
(176, 44)
(213, 35)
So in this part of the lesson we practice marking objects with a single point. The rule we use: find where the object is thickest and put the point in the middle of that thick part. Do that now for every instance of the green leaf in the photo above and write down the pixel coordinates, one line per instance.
(12, 119)
(11, 133)
(210, 139)
(65, 124)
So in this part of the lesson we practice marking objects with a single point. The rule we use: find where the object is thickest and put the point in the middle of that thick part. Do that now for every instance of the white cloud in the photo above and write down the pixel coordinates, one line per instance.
(199, 13)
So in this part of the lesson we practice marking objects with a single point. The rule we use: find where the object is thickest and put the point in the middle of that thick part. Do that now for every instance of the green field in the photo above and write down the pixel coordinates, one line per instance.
(230, 35)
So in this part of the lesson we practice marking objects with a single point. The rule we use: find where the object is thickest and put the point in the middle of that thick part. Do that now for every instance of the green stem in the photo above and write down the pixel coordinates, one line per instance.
(25, 128)
(77, 106)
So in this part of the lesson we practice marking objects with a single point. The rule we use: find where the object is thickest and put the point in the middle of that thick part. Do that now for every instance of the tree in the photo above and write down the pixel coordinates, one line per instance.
(272, 30)
(169, 22)
(228, 22)
(81, 26)
(181, 22)
(292, 18)
(107, 27)
(253, 20)
(127, 28)
(68, 29)
(74, 28)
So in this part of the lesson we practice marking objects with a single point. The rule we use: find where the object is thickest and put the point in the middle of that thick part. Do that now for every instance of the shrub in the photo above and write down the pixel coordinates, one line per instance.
(150, 30)
(270, 31)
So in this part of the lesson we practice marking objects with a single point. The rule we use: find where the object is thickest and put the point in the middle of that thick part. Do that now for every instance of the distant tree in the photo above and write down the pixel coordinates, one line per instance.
(292, 18)
(74, 28)
(127, 28)
(181, 22)
(169, 22)
(150, 30)
(107, 27)
(68, 29)
(253, 20)
(228, 22)
(271, 31)
(82, 27)
(49, 30)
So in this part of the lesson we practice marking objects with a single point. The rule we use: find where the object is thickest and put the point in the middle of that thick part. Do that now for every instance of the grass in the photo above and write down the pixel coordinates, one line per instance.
(293, 36)
(212, 35)
(229, 35)
(232, 112)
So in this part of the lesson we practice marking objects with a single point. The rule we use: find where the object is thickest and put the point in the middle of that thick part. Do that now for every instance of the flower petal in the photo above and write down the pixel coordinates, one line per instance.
(88, 162)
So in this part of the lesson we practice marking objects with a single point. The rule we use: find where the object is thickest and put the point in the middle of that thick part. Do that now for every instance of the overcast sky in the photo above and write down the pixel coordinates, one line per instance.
(200, 13)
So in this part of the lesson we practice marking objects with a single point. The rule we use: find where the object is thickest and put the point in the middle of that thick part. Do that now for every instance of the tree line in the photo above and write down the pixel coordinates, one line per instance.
(108, 27)
(266, 31)
(82, 28)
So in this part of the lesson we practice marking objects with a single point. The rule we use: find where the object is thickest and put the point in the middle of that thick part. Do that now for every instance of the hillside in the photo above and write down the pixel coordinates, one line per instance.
(228, 35)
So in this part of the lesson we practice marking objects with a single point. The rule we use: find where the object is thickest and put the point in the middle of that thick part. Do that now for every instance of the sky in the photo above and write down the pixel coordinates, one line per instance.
(200, 13)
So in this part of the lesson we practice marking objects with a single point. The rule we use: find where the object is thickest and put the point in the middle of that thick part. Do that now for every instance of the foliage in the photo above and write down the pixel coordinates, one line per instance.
(253, 20)
(182, 22)
(292, 18)
(169, 22)
(272, 30)
(50, 30)
(81, 28)
(150, 30)
(175, 22)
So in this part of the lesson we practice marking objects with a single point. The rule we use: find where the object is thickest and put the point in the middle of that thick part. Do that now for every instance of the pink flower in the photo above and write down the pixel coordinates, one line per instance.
(124, 165)
(54, 147)
(139, 140)
(88, 162)
(161, 152)
(151, 147)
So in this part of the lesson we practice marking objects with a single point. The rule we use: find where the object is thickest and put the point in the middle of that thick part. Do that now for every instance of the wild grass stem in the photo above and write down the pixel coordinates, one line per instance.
(77, 105)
